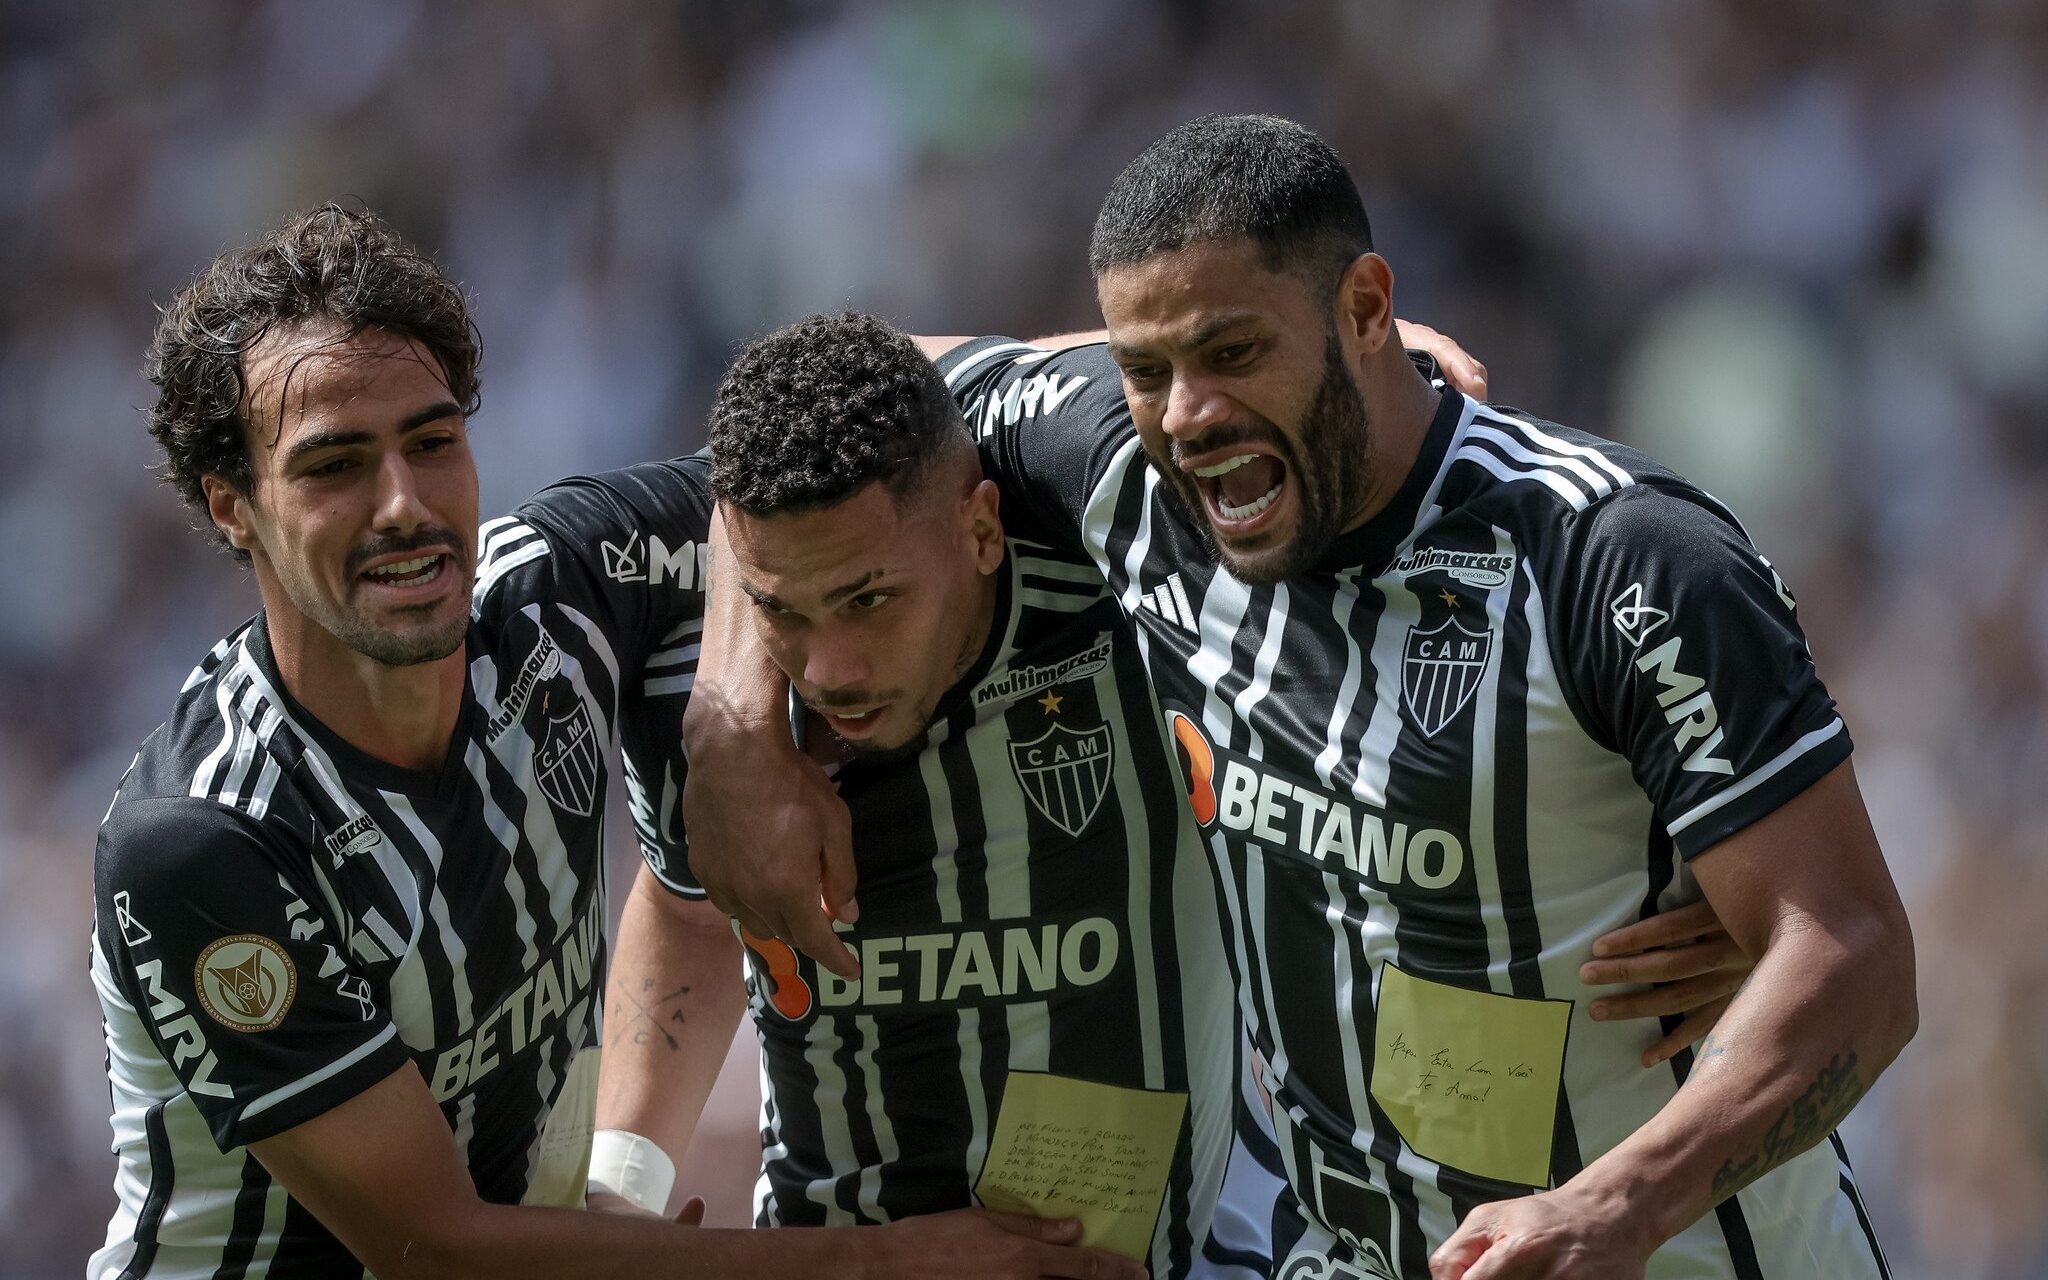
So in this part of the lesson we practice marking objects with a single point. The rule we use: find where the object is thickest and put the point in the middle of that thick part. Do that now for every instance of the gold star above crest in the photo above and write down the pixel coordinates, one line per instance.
(1449, 599)
(1051, 702)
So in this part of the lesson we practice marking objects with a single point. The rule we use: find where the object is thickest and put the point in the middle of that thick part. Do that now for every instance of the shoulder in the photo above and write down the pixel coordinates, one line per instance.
(1516, 469)
(622, 525)
(183, 845)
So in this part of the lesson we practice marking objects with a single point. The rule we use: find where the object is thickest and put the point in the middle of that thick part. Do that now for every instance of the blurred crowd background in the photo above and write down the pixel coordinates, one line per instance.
(1798, 248)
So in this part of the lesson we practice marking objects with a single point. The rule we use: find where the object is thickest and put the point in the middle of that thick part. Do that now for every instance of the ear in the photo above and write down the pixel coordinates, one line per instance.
(231, 513)
(985, 525)
(1365, 304)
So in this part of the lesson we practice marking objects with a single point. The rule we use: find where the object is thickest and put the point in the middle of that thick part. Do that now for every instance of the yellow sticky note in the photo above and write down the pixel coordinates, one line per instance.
(1067, 1148)
(1470, 1078)
(564, 1165)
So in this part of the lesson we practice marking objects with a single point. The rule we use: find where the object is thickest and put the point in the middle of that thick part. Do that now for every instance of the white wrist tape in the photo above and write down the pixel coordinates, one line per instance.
(628, 1165)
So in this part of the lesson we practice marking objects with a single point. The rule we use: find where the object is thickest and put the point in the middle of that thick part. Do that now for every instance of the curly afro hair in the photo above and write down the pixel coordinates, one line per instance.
(816, 411)
(328, 264)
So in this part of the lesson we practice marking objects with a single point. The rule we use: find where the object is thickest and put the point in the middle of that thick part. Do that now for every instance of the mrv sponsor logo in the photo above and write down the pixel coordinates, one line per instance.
(1242, 796)
(686, 565)
(563, 982)
(1025, 398)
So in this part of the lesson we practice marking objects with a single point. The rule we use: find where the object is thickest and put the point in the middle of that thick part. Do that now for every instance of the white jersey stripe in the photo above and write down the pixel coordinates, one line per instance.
(328, 1072)
(1764, 773)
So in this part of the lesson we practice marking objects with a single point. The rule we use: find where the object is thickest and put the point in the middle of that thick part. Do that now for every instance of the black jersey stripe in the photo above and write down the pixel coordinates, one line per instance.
(251, 1203)
(1848, 1183)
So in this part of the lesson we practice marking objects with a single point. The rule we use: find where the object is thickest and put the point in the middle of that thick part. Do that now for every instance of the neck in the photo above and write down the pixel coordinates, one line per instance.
(401, 715)
(1400, 404)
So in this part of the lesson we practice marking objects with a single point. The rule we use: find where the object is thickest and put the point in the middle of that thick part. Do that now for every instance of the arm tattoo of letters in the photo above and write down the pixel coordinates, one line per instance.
(1809, 1119)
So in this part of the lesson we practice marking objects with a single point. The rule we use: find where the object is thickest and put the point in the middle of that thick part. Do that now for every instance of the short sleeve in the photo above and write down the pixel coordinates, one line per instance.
(1683, 648)
(628, 549)
(234, 969)
(651, 741)
(1050, 423)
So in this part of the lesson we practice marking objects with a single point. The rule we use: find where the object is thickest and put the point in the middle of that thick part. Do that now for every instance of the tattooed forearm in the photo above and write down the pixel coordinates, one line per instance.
(1809, 1119)
(648, 1017)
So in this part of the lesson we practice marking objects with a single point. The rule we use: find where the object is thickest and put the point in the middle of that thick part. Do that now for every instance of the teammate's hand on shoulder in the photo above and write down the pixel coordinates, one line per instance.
(1694, 966)
(983, 1244)
(1554, 1235)
(772, 843)
(1460, 369)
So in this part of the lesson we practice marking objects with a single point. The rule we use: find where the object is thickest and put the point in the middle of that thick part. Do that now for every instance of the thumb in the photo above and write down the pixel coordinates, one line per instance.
(1457, 1255)
(839, 876)
(692, 1212)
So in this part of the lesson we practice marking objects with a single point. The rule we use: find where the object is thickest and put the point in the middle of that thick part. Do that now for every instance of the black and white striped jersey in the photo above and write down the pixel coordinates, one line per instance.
(283, 921)
(1033, 899)
(1495, 722)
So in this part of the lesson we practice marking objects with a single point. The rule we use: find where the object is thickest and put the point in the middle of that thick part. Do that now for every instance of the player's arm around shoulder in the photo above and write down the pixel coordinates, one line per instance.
(382, 1172)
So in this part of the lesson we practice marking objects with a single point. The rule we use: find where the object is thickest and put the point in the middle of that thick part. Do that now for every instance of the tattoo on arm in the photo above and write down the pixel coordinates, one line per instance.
(1809, 1119)
(647, 1017)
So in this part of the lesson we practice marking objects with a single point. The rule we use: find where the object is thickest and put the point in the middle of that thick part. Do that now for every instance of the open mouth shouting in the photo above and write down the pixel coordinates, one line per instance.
(1242, 491)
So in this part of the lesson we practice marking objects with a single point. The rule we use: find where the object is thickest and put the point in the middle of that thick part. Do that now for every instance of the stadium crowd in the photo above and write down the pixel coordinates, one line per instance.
(1796, 249)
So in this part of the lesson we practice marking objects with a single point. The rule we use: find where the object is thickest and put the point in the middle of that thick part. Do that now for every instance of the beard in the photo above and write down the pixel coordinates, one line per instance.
(425, 639)
(1328, 461)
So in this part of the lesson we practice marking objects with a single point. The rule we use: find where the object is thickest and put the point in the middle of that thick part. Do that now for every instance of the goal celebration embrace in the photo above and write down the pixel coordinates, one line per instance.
(1213, 796)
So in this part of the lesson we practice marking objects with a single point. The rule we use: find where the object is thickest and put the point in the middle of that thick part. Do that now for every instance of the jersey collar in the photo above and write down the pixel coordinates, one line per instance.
(1372, 545)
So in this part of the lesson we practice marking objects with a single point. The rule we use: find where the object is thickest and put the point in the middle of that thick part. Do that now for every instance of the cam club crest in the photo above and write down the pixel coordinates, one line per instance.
(1440, 669)
(1065, 772)
(567, 762)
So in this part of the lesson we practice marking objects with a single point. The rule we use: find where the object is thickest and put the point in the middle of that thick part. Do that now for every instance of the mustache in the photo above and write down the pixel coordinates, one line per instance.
(442, 539)
(1227, 436)
(842, 698)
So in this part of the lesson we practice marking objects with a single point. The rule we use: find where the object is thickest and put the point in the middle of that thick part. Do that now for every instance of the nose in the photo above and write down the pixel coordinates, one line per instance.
(836, 664)
(399, 506)
(1194, 404)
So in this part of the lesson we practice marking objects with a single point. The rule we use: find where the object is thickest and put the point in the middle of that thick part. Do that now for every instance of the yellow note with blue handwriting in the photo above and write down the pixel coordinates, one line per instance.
(1068, 1148)
(1470, 1078)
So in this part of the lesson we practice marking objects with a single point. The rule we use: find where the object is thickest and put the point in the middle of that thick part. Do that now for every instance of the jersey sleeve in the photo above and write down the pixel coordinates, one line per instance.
(651, 740)
(1682, 646)
(220, 943)
(1050, 424)
(628, 549)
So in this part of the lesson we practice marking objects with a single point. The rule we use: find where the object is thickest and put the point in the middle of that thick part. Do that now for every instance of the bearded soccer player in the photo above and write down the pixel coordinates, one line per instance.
(1455, 690)
(350, 899)
(1039, 938)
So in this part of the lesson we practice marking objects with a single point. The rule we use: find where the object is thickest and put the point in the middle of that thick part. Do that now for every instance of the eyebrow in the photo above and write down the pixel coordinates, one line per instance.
(1200, 336)
(832, 597)
(340, 439)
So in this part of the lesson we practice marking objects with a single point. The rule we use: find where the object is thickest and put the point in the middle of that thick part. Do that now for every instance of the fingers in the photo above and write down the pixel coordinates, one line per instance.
(692, 1212)
(1460, 369)
(1670, 998)
(1688, 1032)
(1049, 1230)
(1456, 1256)
(1681, 925)
(840, 876)
(811, 933)
(1087, 1264)
(1671, 964)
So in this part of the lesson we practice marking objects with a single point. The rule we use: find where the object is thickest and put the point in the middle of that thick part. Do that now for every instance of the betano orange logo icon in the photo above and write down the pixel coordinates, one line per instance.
(1201, 758)
(788, 993)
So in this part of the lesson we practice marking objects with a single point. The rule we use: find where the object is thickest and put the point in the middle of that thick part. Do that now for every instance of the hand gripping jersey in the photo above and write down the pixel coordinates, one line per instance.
(283, 921)
(1492, 724)
(1035, 908)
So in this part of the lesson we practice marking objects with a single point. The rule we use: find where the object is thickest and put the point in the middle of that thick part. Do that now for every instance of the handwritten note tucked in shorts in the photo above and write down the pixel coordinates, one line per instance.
(1470, 1078)
(1066, 1148)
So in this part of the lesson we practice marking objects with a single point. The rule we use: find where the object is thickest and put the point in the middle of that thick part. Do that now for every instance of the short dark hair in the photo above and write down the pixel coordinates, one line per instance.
(331, 264)
(1232, 177)
(816, 411)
